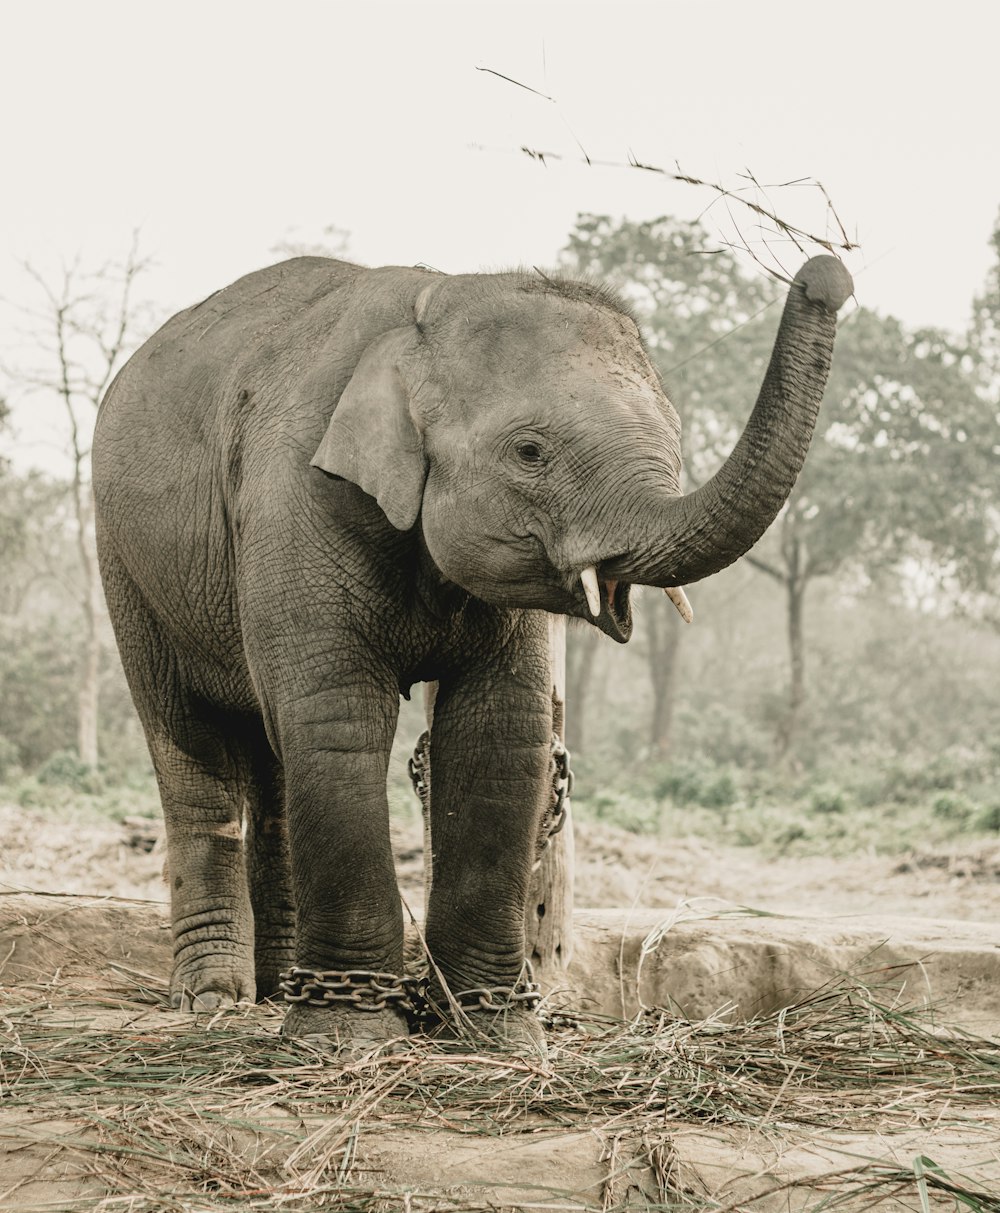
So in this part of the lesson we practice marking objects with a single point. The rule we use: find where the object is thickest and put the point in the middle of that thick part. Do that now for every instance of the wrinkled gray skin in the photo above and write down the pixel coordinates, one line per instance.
(327, 483)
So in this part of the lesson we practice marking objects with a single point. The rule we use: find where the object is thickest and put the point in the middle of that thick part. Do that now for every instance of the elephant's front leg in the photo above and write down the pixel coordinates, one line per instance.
(490, 754)
(346, 983)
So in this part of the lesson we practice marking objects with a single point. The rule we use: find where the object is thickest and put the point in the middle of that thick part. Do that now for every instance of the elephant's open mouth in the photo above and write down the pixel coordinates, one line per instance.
(615, 619)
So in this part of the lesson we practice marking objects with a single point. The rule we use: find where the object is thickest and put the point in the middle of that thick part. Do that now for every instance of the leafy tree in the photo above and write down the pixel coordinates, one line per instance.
(34, 536)
(42, 633)
(38, 678)
(895, 467)
(984, 334)
(890, 476)
(11, 527)
(984, 342)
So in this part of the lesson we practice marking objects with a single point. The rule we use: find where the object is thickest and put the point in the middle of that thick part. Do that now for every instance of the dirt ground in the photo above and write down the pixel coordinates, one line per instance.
(108, 1101)
(614, 869)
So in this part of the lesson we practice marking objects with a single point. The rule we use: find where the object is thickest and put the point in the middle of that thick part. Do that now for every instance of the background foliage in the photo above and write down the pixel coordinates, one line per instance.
(838, 687)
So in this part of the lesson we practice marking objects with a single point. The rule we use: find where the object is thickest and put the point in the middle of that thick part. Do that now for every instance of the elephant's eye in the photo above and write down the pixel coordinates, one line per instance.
(529, 452)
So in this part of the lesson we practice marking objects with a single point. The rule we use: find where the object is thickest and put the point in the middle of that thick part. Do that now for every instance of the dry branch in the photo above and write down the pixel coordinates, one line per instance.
(773, 225)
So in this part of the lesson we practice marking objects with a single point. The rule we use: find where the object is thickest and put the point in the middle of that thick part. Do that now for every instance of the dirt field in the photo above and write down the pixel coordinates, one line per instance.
(818, 1092)
(615, 869)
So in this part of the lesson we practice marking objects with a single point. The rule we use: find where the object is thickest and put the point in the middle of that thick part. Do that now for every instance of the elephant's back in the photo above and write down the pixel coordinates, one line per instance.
(250, 321)
(264, 305)
(177, 396)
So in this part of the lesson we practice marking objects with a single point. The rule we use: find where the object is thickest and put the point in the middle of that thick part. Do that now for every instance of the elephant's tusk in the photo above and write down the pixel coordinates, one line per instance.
(680, 601)
(590, 588)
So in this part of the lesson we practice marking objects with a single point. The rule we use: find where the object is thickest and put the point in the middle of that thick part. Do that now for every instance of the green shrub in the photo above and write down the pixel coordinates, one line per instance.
(686, 783)
(28, 794)
(631, 813)
(989, 818)
(826, 798)
(791, 833)
(65, 769)
(911, 781)
(943, 772)
(952, 807)
(722, 734)
(678, 784)
(748, 834)
(10, 758)
(37, 687)
(720, 793)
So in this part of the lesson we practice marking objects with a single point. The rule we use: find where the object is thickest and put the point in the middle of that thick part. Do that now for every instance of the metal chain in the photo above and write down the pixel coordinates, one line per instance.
(417, 766)
(562, 786)
(361, 989)
(523, 995)
(364, 990)
(500, 998)
(561, 775)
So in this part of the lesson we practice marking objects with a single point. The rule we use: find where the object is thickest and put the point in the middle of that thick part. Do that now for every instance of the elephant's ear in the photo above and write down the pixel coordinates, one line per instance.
(372, 439)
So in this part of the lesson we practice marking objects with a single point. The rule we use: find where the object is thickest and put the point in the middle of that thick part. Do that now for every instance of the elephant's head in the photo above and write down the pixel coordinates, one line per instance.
(520, 420)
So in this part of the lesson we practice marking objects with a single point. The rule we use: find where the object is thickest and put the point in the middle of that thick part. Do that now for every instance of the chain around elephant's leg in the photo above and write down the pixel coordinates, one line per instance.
(348, 913)
(490, 753)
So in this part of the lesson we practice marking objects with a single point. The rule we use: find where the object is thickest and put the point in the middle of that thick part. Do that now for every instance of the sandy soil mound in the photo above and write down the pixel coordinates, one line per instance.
(110, 1102)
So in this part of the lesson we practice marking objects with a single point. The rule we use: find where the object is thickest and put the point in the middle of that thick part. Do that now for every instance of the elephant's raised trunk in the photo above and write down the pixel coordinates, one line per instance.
(683, 539)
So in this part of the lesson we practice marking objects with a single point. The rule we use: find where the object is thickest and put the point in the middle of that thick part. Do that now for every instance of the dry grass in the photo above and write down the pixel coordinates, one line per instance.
(160, 1112)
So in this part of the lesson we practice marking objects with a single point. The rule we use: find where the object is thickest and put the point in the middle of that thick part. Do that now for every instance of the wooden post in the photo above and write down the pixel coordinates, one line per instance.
(430, 694)
(548, 923)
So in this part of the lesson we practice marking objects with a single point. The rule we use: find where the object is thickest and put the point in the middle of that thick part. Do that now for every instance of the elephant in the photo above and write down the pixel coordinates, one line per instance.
(327, 483)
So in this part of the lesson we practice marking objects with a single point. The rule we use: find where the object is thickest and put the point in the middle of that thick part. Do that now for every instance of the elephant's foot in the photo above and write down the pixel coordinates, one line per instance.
(344, 1030)
(208, 987)
(512, 1030)
(353, 1010)
(495, 1017)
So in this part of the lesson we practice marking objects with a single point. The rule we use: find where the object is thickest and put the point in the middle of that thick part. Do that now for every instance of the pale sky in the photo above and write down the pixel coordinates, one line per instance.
(219, 129)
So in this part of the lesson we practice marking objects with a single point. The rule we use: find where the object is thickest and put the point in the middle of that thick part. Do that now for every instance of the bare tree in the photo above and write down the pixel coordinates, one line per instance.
(85, 326)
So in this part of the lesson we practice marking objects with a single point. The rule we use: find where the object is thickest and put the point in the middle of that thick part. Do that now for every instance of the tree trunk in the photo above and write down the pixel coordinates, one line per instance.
(87, 711)
(548, 924)
(88, 696)
(581, 662)
(795, 592)
(664, 634)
